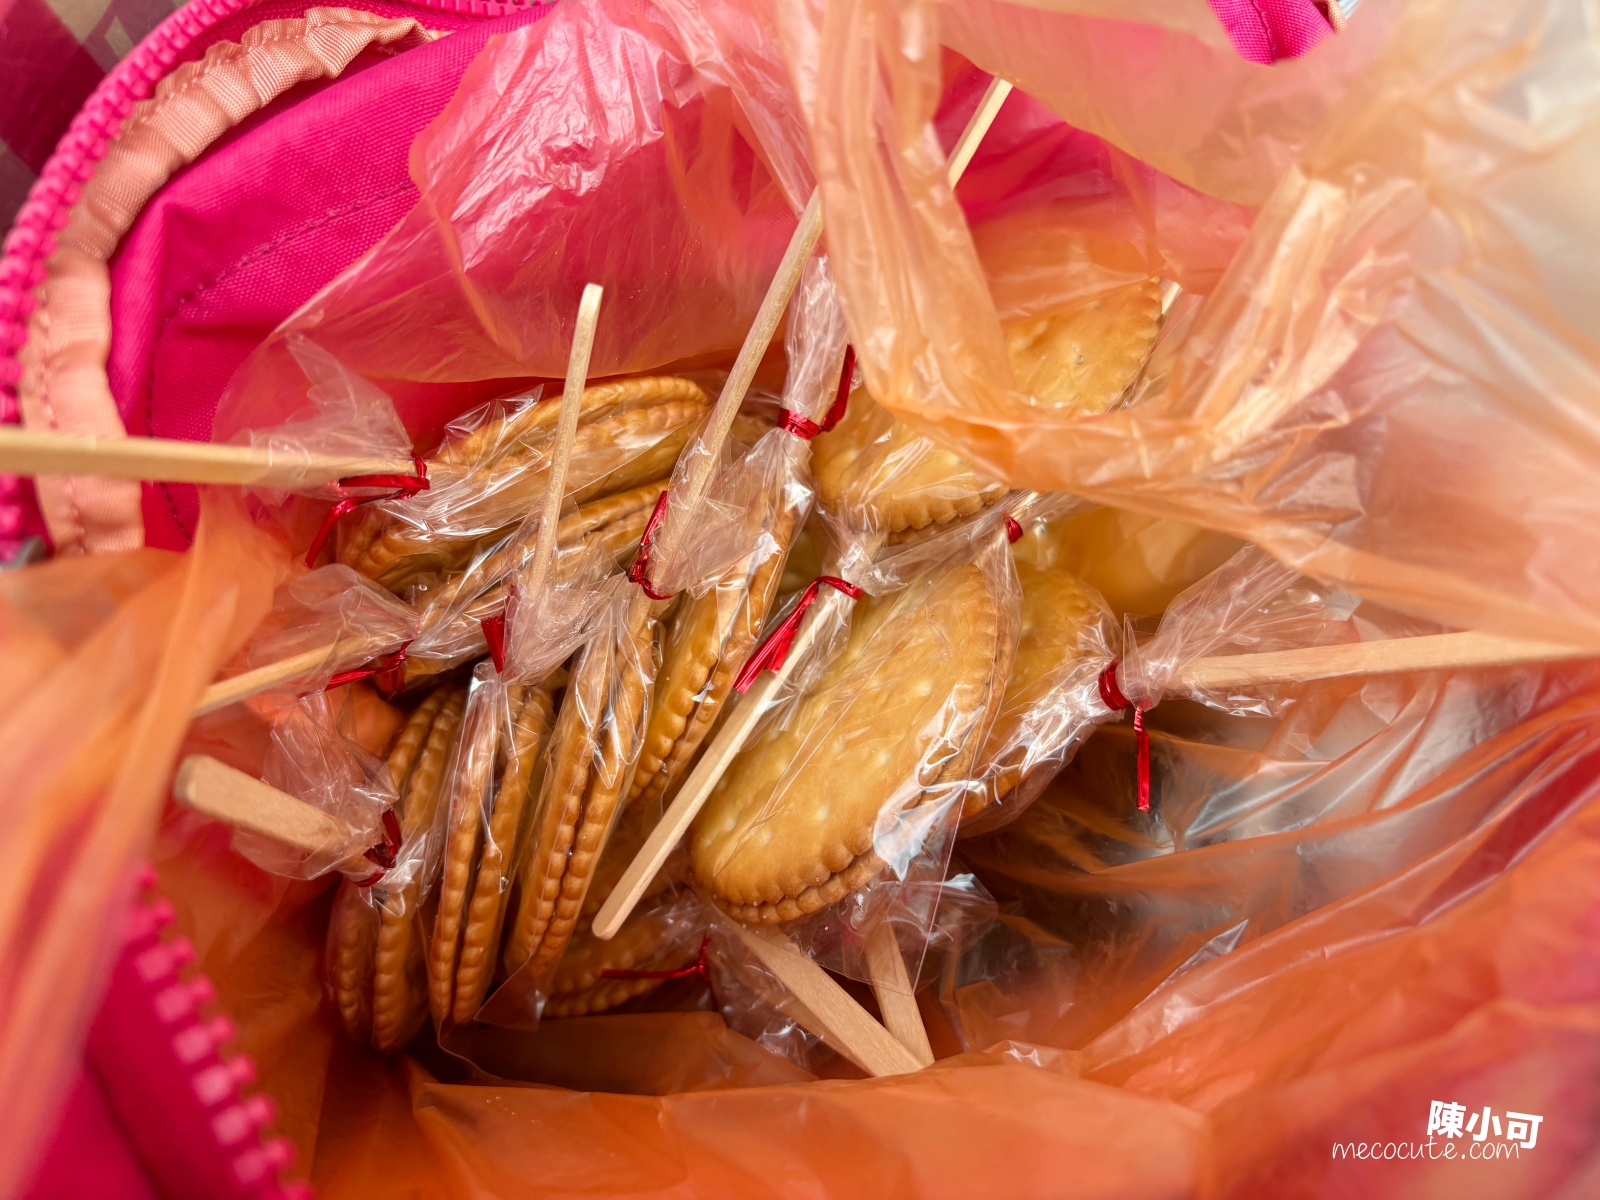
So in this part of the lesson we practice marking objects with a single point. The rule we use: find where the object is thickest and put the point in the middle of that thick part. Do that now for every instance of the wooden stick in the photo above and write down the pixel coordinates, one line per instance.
(216, 790)
(555, 487)
(1431, 652)
(696, 789)
(833, 1015)
(42, 452)
(977, 125)
(252, 683)
(896, 999)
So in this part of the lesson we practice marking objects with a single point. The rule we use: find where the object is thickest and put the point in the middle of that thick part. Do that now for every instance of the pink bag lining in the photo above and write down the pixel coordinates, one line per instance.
(64, 385)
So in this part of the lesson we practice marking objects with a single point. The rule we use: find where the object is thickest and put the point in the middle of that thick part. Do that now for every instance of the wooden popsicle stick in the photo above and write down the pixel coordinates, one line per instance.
(216, 790)
(1430, 652)
(566, 432)
(977, 125)
(839, 1020)
(896, 1000)
(166, 460)
(252, 683)
(696, 789)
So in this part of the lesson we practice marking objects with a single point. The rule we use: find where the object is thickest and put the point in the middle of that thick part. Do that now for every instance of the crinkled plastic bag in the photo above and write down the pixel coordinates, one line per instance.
(1391, 386)
(1381, 898)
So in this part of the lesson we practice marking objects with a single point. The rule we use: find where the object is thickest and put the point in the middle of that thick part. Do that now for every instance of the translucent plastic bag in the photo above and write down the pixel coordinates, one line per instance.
(1392, 385)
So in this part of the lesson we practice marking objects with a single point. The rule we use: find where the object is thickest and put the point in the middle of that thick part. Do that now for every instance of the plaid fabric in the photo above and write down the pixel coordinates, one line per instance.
(52, 54)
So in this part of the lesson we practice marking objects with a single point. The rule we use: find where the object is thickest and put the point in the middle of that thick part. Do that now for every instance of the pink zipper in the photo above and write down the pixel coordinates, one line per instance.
(33, 234)
(159, 1051)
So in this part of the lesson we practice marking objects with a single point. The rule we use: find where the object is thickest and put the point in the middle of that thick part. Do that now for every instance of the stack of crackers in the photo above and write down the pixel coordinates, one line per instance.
(522, 800)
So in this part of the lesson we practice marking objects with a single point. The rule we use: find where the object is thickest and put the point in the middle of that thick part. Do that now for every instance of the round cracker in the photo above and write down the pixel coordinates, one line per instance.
(880, 474)
(579, 986)
(356, 927)
(631, 674)
(1084, 356)
(614, 523)
(399, 981)
(620, 447)
(472, 776)
(711, 636)
(1057, 610)
(789, 827)
(491, 886)
(352, 940)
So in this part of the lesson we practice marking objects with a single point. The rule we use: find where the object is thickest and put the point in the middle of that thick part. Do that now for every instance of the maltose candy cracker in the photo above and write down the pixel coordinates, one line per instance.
(399, 983)
(1056, 611)
(473, 884)
(354, 924)
(619, 446)
(579, 986)
(708, 641)
(882, 476)
(789, 828)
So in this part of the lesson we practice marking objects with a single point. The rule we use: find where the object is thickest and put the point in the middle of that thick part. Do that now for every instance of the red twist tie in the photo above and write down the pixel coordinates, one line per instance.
(494, 633)
(774, 649)
(699, 967)
(1111, 695)
(641, 560)
(804, 427)
(384, 853)
(405, 486)
(1013, 529)
(389, 671)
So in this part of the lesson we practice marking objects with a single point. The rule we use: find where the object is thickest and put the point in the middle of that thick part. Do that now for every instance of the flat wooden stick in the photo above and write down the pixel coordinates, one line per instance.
(41, 452)
(1430, 652)
(216, 790)
(837, 1019)
(896, 1000)
(977, 125)
(555, 487)
(696, 789)
(252, 683)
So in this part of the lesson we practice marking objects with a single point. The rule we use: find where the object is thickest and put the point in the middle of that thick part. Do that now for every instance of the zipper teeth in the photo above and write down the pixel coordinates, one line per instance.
(190, 1048)
(33, 235)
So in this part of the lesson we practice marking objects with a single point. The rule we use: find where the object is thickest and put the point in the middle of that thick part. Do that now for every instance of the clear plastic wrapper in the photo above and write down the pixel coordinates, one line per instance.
(314, 756)
(490, 470)
(493, 781)
(668, 169)
(375, 955)
(841, 808)
(1076, 670)
(593, 750)
(349, 619)
(954, 915)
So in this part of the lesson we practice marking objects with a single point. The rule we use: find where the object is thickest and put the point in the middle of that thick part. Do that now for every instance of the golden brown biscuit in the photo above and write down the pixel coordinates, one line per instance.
(1057, 612)
(880, 475)
(708, 640)
(374, 952)
(579, 986)
(496, 475)
(789, 828)
(484, 834)
(591, 757)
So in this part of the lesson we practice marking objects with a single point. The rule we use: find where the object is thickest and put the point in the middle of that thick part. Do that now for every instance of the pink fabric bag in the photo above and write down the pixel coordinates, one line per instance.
(241, 157)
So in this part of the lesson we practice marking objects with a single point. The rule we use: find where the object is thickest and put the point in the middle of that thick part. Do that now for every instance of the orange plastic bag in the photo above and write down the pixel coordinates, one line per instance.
(1382, 900)
(1392, 386)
